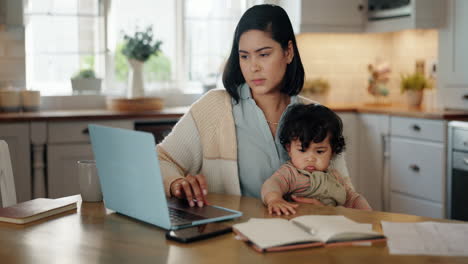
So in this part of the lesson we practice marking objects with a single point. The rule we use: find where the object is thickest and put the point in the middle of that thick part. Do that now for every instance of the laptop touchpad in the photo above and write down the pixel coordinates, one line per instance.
(206, 211)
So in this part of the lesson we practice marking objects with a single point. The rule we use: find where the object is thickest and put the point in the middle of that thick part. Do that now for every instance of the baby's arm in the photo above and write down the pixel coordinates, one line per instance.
(273, 190)
(353, 199)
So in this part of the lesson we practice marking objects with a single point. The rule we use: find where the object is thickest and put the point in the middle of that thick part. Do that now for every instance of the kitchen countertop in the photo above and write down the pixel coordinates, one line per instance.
(98, 114)
(176, 112)
(403, 111)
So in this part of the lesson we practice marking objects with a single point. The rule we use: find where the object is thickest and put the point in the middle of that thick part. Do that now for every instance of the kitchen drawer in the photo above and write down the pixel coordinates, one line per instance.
(455, 97)
(400, 203)
(69, 132)
(423, 129)
(460, 139)
(460, 160)
(417, 168)
(62, 168)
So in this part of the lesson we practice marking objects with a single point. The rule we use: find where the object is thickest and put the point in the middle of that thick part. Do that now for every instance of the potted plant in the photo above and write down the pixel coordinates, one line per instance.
(316, 89)
(413, 85)
(138, 49)
(85, 81)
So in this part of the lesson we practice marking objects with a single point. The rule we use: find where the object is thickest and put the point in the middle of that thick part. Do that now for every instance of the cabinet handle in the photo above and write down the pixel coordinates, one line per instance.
(465, 97)
(416, 128)
(465, 160)
(360, 7)
(85, 131)
(414, 167)
(465, 143)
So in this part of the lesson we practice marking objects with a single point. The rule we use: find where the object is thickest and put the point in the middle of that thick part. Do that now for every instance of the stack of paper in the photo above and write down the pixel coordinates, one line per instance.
(427, 238)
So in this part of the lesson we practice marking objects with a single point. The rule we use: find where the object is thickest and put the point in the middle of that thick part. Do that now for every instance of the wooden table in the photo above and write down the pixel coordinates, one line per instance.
(93, 234)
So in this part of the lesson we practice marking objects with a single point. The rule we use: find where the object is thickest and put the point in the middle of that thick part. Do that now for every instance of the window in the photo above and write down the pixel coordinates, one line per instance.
(209, 30)
(64, 36)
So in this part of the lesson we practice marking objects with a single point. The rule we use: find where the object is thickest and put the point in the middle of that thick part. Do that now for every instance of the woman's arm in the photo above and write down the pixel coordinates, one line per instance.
(180, 153)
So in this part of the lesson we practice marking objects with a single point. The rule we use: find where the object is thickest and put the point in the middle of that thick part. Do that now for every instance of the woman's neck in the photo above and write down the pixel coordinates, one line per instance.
(272, 105)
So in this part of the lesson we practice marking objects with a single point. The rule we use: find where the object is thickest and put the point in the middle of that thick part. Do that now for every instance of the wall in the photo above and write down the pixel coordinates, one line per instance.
(12, 52)
(343, 60)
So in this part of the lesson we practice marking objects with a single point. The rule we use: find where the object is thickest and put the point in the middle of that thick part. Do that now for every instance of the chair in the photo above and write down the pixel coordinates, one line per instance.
(7, 183)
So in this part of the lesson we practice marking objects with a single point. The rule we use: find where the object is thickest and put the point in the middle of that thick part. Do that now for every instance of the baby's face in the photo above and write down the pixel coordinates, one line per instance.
(315, 158)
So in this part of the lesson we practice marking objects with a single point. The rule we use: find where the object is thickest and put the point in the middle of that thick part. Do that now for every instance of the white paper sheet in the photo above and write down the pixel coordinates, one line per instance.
(427, 238)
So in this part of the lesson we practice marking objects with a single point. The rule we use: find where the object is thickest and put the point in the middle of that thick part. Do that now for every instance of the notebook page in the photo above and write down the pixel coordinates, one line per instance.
(273, 232)
(427, 238)
(334, 226)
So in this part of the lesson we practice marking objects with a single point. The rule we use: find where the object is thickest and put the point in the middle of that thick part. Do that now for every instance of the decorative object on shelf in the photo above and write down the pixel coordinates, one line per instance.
(135, 104)
(378, 81)
(413, 85)
(316, 89)
(10, 100)
(85, 81)
(138, 49)
(30, 100)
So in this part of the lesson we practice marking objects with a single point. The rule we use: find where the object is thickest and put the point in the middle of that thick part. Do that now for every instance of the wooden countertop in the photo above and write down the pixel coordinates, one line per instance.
(403, 111)
(97, 114)
(176, 112)
(94, 234)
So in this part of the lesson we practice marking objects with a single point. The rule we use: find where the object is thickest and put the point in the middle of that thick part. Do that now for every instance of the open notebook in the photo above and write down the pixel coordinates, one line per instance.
(276, 234)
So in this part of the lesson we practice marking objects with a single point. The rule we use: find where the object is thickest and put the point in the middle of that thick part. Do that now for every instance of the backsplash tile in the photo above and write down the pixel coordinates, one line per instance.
(343, 59)
(12, 59)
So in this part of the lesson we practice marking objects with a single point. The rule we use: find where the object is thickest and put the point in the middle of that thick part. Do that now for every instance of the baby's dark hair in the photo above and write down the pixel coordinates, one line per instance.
(312, 123)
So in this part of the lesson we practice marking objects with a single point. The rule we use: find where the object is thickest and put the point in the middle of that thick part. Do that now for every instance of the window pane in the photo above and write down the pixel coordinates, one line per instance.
(62, 7)
(161, 15)
(62, 37)
(207, 53)
(63, 34)
(209, 29)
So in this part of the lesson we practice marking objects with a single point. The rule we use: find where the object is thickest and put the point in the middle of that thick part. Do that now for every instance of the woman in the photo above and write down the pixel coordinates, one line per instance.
(228, 139)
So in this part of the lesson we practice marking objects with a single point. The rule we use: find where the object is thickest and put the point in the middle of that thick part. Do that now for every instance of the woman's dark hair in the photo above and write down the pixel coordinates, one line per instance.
(274, 20)
(312, 123)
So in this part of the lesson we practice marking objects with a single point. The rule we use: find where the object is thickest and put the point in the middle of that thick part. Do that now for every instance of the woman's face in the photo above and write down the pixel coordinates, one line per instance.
(263, 61)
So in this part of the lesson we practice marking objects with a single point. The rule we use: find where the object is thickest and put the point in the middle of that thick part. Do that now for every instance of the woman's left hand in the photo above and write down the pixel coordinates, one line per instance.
(306, 200)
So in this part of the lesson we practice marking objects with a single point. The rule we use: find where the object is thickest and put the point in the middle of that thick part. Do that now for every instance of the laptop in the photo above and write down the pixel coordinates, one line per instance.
(132, 184)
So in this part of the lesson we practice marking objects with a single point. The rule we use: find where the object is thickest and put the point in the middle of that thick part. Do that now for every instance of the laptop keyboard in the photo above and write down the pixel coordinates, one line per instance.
(178, 216)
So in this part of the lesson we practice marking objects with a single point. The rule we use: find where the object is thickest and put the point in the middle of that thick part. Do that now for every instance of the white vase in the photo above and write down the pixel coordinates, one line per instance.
(135, 87)
(414, 97)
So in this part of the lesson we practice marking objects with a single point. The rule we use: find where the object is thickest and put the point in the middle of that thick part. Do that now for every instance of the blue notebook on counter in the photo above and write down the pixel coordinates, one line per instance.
(132, 184)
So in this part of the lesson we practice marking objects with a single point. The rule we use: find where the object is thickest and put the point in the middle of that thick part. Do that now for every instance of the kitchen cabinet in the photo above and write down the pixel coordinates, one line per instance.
(17, 137)
(62, 169)
(67, 143)
(372, 181)
(417, 166)
(424, 14)
(332, 15)
(453, 56)
(351, 135)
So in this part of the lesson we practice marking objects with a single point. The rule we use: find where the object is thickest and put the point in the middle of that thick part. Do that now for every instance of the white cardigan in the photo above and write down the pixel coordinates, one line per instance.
(204, 141)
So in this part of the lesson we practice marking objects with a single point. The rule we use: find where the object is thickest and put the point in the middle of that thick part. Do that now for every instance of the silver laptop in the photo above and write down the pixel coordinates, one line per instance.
(132, 183)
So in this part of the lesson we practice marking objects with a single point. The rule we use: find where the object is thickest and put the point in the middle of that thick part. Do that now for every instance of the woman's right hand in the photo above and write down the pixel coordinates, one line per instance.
(192, 188)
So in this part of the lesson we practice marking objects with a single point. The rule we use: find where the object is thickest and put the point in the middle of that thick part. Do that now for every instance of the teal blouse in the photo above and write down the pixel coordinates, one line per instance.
(259, 155)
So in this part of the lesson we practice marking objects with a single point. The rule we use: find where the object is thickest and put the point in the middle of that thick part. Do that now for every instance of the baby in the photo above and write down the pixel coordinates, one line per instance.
(312, 135)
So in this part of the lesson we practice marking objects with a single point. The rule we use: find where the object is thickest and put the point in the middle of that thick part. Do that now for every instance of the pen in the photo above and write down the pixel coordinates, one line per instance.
(309, 230)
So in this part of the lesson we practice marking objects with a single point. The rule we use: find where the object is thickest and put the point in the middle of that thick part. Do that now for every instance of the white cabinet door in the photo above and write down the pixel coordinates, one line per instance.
(332, 15)
(417, 168)
(409, 205)
(62, 173)
(351, 135)
(17, 137)
(373, 131)
(453, 56)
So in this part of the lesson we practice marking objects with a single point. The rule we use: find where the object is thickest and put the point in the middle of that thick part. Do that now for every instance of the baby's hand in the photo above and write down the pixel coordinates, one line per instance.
(280, 206)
